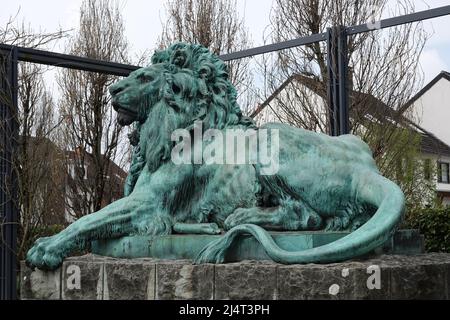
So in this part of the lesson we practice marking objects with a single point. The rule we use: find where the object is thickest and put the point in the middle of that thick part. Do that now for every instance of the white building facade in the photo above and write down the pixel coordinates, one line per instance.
(430, 108)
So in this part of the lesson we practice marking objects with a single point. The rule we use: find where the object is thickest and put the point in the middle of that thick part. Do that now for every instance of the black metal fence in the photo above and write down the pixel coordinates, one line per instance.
(336, 39)
(8, 195)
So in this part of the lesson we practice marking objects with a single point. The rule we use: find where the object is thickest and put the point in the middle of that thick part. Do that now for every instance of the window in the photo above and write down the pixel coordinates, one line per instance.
(85, 171)
(72, 170)
(443, 172)
(427, 169)
(404, 168)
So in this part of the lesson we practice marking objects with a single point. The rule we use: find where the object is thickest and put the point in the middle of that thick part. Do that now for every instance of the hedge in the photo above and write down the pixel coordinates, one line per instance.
(434, 224)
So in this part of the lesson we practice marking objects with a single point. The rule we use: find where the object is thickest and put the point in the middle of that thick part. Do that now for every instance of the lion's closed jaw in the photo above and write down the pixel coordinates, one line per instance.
(125, 119)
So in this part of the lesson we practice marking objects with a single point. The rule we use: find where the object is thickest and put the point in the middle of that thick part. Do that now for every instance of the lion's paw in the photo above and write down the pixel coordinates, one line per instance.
(45, 254)
(211, 228)
(334, 224)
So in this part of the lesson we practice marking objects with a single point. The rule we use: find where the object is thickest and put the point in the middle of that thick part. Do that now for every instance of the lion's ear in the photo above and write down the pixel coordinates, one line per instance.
(160, 56)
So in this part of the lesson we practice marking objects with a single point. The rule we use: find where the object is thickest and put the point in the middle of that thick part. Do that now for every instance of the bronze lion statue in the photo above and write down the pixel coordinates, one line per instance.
(321, 182)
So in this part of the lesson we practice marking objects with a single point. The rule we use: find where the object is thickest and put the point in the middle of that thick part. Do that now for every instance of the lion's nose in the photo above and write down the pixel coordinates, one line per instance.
(115, 89)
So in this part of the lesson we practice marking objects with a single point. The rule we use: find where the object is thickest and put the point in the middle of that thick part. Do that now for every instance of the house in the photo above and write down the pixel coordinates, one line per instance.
(302, 101)
(49, 183)
(81, 179)
(430, 108)
(40, 180)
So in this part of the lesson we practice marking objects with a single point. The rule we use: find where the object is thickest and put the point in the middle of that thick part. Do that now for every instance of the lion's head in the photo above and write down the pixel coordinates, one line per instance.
(131, 96)
(184, 83)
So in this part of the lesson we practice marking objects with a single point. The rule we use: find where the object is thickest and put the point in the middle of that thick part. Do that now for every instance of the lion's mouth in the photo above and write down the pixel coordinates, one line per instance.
(125, 116)
(125, 119)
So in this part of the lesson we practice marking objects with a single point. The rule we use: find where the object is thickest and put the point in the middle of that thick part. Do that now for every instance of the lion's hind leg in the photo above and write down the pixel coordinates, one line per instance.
(347, 218)
(289, 215)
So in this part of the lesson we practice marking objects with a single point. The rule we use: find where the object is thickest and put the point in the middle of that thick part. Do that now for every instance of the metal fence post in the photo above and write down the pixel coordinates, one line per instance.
(333, 101)
(342, 78)
(337, 80)
(8, 184)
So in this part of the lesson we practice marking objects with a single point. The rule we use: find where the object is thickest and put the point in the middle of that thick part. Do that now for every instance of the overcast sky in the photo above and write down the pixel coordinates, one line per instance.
(143, 23)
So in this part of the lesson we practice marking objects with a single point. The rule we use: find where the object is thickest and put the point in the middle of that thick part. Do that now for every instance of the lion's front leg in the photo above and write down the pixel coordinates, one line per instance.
(142, 212)
(117, 219)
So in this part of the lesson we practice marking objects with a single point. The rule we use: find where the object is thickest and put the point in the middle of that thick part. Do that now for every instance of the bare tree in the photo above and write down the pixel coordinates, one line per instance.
(383, 64)
(36, 161)
(217, 26)
(383, 73)
(39, 163)
(90, 128)
(21, 34)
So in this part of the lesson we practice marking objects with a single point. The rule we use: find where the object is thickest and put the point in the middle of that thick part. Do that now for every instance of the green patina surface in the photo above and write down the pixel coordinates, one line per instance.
(247, 248)
(320, 182)
(189, 246)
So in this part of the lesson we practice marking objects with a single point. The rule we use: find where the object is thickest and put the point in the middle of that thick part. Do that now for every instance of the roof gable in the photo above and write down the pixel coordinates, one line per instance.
(442, 75)
(360, 103)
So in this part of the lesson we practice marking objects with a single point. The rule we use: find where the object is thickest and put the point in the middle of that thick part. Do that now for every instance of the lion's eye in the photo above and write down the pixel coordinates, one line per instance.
(145, 78)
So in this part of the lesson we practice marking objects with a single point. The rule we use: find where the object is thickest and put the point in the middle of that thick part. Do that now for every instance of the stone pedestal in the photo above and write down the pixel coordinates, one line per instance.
(422, 276)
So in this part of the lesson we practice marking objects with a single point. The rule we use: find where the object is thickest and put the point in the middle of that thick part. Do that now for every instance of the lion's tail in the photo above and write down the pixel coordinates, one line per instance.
(373, 188)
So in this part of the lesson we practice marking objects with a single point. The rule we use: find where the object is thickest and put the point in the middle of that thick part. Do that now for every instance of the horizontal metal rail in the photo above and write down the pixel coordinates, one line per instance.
(88, 64)
(392, 22)
(69, 61)
(369, 26)
(274, 47)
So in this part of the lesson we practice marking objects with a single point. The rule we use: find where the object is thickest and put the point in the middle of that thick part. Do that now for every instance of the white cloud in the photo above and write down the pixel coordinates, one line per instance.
(437, 27)
(432, 63)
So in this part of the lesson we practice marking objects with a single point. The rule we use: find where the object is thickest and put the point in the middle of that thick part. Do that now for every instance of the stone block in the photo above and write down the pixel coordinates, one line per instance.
(82, 278)
(246, 280)
(423, 276)
(408, 241)
(181, 279)
(314, 281)
(371, 281)
(129, 280)
(39, 284)
(418, 282)
(447, 267)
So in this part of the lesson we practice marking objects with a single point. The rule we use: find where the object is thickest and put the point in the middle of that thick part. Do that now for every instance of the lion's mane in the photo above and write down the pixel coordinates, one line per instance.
(195, 87)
